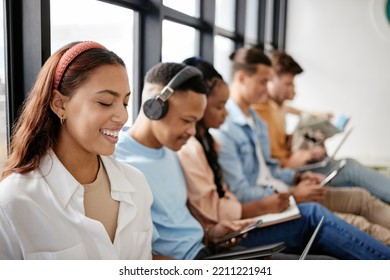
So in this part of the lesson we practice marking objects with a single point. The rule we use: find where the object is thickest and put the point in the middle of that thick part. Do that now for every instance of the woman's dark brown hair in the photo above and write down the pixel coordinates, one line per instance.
(37, 128)
(210, 76)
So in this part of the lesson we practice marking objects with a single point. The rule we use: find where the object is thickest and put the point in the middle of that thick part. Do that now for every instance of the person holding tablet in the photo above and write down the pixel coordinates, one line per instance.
(273, 110)
(244, 168)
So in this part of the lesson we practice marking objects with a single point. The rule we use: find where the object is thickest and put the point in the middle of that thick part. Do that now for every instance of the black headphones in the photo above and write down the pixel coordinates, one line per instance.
(156, 107)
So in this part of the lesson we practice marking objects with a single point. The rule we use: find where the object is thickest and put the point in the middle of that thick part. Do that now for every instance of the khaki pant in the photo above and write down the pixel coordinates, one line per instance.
(359, 208)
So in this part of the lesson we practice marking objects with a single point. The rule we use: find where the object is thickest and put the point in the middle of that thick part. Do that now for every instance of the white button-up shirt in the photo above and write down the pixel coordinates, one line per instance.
(42, 215)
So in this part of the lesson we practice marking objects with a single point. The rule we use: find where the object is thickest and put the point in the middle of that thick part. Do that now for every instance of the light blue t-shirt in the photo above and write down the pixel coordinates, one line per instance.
(177, 233)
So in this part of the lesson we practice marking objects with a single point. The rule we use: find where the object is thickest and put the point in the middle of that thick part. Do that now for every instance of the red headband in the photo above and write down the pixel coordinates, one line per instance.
(70, 55)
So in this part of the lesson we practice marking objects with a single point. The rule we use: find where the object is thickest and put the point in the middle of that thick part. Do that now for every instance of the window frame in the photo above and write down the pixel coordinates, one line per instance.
(27, 42)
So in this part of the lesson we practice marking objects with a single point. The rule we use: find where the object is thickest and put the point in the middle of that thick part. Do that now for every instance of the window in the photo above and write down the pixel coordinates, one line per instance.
(251, 24)
(107, 24)
(268, 46)
(189, 7)
(3, 118)
(223, 47)
(176, 49)
(224, 14)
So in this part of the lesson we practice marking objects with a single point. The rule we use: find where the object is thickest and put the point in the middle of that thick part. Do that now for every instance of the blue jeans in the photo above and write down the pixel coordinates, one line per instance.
(335, 238)
(355, 174)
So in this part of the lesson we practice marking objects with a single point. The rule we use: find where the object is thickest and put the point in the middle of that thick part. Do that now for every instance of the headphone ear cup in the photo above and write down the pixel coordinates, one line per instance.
(154, 108)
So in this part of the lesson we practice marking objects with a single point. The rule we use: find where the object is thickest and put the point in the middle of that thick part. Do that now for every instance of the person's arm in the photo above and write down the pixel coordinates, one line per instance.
(202, 190)
(158, 257)
(295, 111)
(275, 203)
(298, 158)
(284, 174)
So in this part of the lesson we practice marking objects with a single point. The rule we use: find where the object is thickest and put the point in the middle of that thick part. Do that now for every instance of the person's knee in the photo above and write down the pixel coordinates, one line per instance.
(351, 163)
(360, 195)
(356, 220)
(313, 211)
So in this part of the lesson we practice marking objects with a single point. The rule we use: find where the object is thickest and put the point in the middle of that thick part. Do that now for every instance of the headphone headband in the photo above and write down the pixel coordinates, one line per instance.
(156, 107)
(183, 75)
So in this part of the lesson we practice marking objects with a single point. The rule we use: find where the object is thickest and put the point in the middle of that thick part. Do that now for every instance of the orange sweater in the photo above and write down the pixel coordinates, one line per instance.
(274, 116)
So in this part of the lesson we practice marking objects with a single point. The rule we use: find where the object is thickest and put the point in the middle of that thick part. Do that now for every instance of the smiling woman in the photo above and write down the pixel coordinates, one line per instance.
(68, 129)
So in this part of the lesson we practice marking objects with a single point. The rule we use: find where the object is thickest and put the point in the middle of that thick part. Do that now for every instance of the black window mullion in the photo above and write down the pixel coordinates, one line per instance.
(207, 34)
(261, 23)
(240, 23)
(150, 32)
(27, 47)
(279, 24)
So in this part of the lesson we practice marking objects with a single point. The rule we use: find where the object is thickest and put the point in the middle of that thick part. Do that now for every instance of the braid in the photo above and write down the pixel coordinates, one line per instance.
(207, 143)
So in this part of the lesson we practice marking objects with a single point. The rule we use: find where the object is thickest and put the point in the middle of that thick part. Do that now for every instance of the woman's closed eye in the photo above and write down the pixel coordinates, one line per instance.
(104, 104)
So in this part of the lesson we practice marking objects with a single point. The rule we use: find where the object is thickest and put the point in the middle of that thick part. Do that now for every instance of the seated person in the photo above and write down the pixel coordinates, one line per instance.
(62, 195)
(246, 173)
(209, 199)
(272, 111)
(150, 145)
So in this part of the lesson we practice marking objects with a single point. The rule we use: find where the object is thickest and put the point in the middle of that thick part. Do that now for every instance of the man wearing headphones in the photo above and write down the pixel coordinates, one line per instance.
(150, 145)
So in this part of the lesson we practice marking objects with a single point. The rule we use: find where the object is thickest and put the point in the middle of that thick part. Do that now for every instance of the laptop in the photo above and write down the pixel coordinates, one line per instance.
(327, 159)
(341, 142)
(313, 236)
(263, 251)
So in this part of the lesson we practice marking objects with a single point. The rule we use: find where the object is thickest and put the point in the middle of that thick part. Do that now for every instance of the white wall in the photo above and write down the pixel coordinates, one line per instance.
(347, 68)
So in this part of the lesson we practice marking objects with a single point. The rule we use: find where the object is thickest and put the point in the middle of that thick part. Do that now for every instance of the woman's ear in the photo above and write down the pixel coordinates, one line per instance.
(58, 104)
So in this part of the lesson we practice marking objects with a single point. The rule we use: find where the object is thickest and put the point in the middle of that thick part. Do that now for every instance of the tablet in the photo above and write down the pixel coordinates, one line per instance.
(333, 174)
(241, 232)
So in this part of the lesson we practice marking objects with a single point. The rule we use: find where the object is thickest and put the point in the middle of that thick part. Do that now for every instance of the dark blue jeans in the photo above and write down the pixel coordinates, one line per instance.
(336, 238)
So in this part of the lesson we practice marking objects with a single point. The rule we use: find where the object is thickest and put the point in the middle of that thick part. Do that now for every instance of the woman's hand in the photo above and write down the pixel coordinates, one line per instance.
(223, 228)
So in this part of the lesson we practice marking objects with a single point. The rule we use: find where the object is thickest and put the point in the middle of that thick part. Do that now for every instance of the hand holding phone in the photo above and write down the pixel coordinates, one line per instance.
(333, 174)
(241, 232)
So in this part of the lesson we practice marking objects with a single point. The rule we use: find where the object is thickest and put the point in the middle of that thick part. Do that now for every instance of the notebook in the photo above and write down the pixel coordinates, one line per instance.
(325, 160)
(290, 213)
(313, 236)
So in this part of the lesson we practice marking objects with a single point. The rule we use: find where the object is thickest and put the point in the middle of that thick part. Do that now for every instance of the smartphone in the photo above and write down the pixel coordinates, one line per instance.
(241, 232)
(333, 174)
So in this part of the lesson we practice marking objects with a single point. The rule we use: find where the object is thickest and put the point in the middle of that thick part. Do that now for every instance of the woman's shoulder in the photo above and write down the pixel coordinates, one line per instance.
(192, 147)
(18, 185)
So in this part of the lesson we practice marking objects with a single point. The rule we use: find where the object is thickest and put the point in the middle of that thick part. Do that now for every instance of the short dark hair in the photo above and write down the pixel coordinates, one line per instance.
(247, 59)
(162, 73)
(284, 64)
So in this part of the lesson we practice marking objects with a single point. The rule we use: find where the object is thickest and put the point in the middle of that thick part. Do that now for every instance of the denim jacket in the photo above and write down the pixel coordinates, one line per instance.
(237, 155)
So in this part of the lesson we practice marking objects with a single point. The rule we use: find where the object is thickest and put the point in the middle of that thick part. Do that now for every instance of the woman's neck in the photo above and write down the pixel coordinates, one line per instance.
(82, 165)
